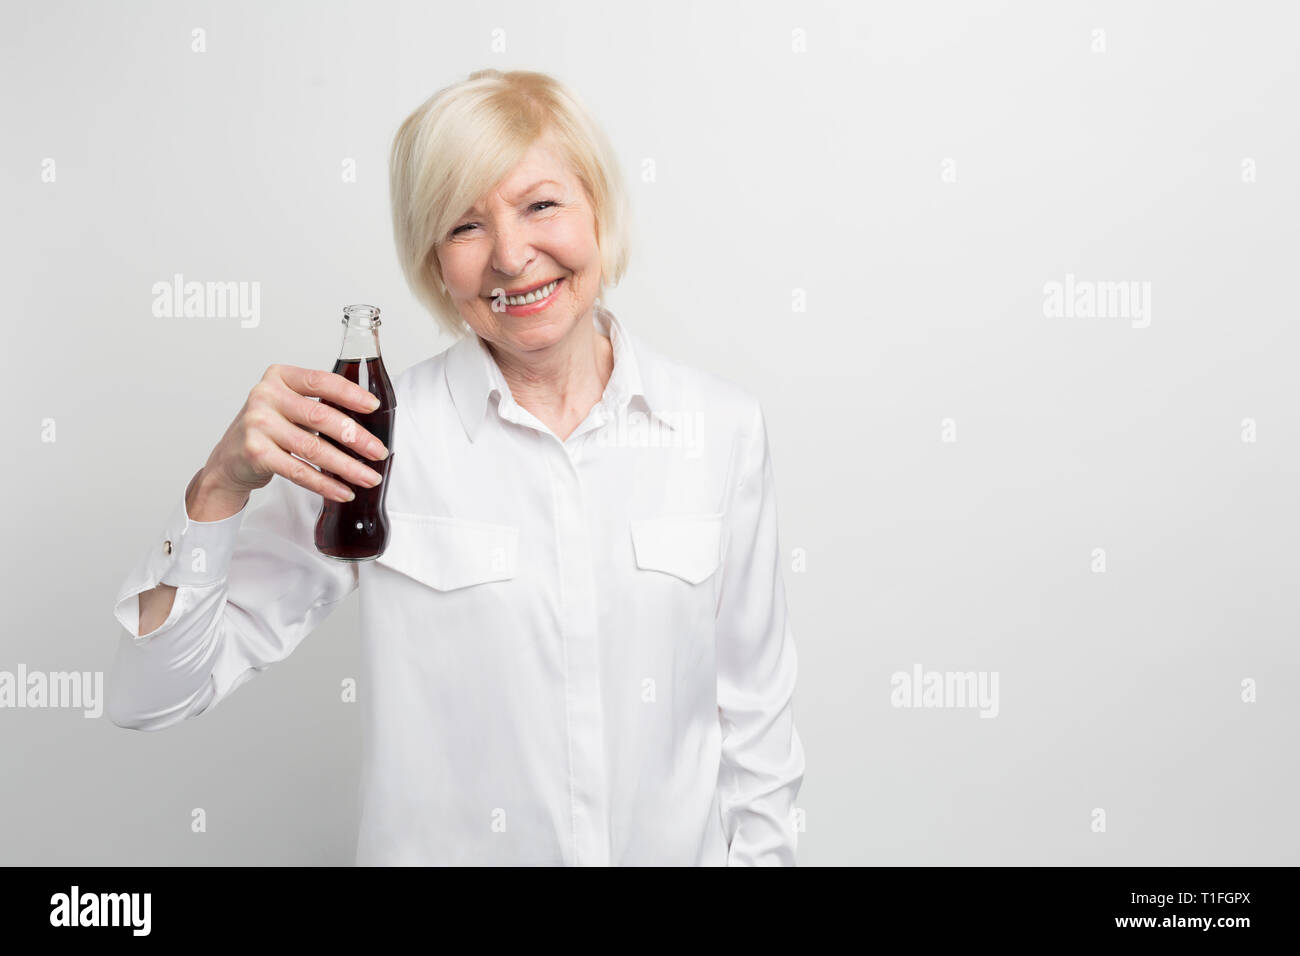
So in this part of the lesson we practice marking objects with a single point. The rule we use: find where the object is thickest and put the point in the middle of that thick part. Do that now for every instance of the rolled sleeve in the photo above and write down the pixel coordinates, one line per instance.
(762, 755)
(240, 606)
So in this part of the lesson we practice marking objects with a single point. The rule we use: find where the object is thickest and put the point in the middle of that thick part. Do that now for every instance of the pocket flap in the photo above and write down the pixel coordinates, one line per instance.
(687, 546)
(449, 553)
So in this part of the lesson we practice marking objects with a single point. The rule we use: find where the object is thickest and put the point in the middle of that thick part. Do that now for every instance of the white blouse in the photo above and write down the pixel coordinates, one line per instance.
(573, 652)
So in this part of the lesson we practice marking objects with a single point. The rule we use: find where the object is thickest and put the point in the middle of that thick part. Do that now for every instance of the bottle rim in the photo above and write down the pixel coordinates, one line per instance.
(364, 314)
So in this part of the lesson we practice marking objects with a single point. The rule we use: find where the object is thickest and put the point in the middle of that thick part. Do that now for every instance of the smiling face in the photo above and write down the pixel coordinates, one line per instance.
(536, 227)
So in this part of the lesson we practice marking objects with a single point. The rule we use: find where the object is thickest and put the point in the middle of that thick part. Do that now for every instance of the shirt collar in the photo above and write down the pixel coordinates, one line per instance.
(473, 376)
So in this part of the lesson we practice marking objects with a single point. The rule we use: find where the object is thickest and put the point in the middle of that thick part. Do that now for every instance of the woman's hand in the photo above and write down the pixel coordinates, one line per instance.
(278, 421)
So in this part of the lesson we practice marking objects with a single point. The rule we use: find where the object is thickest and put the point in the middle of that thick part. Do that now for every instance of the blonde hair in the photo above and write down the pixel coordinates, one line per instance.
(463, 140)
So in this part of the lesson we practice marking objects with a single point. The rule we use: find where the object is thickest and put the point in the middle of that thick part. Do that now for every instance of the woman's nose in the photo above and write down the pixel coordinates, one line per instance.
(511, 251)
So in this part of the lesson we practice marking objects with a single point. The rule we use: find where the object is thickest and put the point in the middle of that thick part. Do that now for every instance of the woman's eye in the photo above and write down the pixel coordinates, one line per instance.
(470, 225)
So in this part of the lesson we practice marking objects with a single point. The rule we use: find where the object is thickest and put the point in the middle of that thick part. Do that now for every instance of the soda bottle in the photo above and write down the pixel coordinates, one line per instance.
(357, 530)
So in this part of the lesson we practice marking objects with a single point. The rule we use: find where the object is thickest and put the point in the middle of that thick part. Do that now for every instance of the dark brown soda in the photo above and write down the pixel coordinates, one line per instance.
(357, 530)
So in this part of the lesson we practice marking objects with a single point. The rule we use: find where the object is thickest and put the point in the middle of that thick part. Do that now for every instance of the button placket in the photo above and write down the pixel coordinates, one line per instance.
(583, 703)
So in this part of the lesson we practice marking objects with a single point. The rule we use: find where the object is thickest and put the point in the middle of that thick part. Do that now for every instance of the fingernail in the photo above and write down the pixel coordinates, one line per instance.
(374, 402)
(377, 450)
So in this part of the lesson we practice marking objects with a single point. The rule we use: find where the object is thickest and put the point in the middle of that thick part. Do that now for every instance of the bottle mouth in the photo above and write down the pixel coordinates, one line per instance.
(364, 316)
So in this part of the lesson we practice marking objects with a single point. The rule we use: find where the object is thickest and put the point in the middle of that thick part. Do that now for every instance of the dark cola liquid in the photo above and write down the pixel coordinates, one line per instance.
(357, 530)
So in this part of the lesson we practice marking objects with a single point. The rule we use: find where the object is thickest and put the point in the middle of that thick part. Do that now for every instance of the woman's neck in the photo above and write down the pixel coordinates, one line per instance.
(561, 386)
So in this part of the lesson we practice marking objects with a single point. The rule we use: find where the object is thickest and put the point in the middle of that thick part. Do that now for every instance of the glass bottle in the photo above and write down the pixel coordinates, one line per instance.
(357, 530)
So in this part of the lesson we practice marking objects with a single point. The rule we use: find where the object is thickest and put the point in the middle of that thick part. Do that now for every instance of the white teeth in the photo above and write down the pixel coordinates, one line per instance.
(541, 293)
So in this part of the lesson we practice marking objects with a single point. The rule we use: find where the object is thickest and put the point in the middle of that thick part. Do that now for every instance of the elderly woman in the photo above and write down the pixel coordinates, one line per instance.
(575, 645)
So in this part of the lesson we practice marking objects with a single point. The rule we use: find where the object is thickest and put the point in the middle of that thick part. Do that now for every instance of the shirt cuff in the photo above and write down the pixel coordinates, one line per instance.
(197, 553)
(187, 553)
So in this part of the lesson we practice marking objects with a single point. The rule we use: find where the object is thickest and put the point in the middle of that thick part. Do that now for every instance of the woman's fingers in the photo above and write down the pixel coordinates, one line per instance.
(318, 450)
(272, 458)
(317, 383)
(321, 417)
(265, 440)
(270, 399)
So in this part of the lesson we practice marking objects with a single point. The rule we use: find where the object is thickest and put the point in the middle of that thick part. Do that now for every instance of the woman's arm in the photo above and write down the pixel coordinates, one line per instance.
(245, 590)
(762, 755)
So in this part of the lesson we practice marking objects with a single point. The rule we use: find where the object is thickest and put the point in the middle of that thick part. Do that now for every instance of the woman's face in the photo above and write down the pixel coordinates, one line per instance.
(537, 226)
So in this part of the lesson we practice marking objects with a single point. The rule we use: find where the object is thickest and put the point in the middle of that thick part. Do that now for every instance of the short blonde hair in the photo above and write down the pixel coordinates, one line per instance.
(463, 140)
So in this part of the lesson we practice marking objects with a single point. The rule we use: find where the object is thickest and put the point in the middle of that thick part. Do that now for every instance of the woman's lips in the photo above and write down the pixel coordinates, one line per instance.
(537, 306)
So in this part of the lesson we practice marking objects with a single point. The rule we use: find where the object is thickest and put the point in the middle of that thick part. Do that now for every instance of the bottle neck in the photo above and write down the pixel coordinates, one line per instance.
(359, 343)
(360, 333)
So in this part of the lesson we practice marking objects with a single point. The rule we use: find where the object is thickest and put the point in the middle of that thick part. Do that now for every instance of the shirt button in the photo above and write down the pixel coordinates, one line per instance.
(167, 546)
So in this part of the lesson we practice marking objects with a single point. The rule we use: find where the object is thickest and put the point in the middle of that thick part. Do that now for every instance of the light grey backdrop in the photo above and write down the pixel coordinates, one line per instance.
(855, 212)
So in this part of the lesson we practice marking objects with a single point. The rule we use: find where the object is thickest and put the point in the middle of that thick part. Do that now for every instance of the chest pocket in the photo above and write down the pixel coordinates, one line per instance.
(449, 553)
(686, 546)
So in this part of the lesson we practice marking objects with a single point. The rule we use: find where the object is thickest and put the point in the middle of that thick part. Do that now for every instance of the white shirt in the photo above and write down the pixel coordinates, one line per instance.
(573, 652)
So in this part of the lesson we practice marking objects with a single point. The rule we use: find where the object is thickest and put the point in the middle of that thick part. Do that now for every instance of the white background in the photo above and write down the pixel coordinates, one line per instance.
(775, 170)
